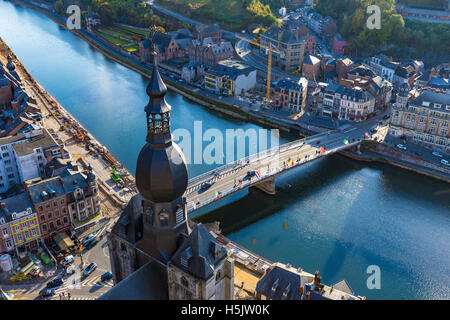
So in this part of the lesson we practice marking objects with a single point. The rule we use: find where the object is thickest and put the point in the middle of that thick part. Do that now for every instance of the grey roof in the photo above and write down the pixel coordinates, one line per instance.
(287, 36)
(161, 40)
(310, 59)
(433, 98)
(45, 140)
(148, 283)
(288, 84)
(18, 203)
(280, 284)
(438, 82)
(46, 187)
(12, 139)
(198, 250)
(343, 286)
(3, 81)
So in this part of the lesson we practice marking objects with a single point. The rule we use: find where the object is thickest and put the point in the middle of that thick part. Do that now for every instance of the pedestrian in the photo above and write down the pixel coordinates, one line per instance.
(68, 295)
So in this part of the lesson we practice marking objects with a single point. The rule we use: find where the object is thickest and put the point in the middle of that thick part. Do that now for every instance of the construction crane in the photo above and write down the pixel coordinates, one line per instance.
(269, 63)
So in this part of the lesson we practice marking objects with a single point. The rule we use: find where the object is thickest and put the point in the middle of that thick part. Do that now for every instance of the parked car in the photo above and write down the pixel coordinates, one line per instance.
(88, 239)
(91, 244)
(437, 153)
(373, 130)
(445, 162)
(106, 276)
(385, 117)
(401, 146)
(55, 283)
(89, 269)
(46, 293)
(67, 260)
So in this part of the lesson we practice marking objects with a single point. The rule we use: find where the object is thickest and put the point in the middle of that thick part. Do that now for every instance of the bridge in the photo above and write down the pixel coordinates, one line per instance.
(269, 164)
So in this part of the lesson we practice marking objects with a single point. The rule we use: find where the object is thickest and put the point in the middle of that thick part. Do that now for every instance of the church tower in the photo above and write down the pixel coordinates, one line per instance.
(161, 178)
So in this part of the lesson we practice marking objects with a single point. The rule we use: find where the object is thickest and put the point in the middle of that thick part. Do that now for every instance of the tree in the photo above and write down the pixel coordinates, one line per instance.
(107, 14)
(59, 7)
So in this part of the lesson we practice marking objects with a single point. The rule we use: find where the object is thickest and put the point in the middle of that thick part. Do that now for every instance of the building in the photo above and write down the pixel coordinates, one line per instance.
(384, 67)
(50, 203)
(230, 77)
(212, 31)
(339, 45)
(208, 52)
(165, 46)
(192, 71)
(155, 252)
(422, 116)
(283, 282)
(290, 95)
(311, 68)
(310, 44)
(405, 74)
(92, 20)
(25, 155)
(343, 66)
(337, 101)
(19, 225)
(290, 45)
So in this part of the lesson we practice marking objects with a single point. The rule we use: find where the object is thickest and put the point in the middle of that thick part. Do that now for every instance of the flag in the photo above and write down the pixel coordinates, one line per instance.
(216, 194)
(346, 142)
(367, 135)
(322, 150)
(291, 162)
(258, 175)
(294, 116)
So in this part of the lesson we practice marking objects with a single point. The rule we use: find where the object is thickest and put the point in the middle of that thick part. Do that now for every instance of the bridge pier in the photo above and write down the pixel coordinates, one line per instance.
(267, 186)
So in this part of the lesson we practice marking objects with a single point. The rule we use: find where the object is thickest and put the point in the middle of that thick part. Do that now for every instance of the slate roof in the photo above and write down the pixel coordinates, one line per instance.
(343, 286)
(280, 284)
(361, 71)
(433, 98)
(148, 283)
(161, 40)
(198, 251)
(38, 189)
(310, 59)
(437, 82)
(44, 141)
(287, 36)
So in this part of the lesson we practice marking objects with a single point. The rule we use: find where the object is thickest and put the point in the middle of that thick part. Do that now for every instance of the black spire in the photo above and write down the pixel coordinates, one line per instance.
(157, 109)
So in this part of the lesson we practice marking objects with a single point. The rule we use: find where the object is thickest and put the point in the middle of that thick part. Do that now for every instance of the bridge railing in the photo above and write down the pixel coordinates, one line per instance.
(200, 179)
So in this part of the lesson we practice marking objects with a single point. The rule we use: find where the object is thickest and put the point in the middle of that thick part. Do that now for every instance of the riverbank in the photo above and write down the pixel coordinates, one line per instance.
(215, 105)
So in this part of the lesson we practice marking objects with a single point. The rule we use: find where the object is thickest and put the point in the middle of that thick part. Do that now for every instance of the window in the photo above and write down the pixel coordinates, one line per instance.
(62, 201)
(56, 213)
(24, 225)
(40, 208)
(5, 232)
(17, 228)
(27, 234)
(58, 222)
(49, 215)
(19, 237)
(65, 220)
(33, 232)
(4, 148)
(44, 228)
(55, 204)
(5, 154)
(51, 226)
(184, 282)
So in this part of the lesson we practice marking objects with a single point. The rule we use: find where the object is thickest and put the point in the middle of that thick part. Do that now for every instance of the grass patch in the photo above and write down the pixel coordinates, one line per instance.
(117, 33)
(116, 41)
(132, 30)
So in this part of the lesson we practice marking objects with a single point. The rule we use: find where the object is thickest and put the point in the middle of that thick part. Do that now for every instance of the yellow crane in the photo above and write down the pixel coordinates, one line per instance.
(269, 63)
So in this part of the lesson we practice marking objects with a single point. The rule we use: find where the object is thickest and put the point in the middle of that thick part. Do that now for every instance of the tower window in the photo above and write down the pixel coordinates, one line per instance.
(163, 218)
(184, 282)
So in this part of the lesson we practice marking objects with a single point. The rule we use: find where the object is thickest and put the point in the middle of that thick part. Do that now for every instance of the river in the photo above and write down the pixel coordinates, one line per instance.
(335, 215)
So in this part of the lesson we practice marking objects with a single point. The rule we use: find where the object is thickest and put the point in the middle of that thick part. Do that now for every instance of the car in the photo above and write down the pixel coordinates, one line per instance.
(251, 173)
(106, 276)
(91, 244)
(318, 142)
(67, 260)
(373, 130)
(386, 116)
(46, 293)
(89, 269)
(401, 146)
(445, 162)
(437, 153)
(55, 283)
(88, 239)
(206, 186)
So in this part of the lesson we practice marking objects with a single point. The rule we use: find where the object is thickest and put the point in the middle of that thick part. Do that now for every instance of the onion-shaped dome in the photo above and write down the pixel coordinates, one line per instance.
(161, 170)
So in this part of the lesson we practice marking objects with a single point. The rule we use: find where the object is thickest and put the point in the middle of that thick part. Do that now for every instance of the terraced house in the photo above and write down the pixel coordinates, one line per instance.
(19, 225)
(423, 116)
(290, 95)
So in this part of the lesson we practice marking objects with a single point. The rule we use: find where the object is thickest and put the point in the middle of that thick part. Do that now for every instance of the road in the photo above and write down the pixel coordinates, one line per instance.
(234, 179)
(80, 288)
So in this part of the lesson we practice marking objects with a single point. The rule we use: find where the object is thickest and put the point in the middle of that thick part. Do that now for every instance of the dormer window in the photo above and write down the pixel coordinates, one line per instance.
(275, 285)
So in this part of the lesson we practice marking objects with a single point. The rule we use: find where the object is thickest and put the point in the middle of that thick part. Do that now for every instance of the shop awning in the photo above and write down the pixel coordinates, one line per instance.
(63, 241)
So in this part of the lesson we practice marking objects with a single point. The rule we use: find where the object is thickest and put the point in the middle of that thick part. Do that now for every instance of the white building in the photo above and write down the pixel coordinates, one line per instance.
(24, 156)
